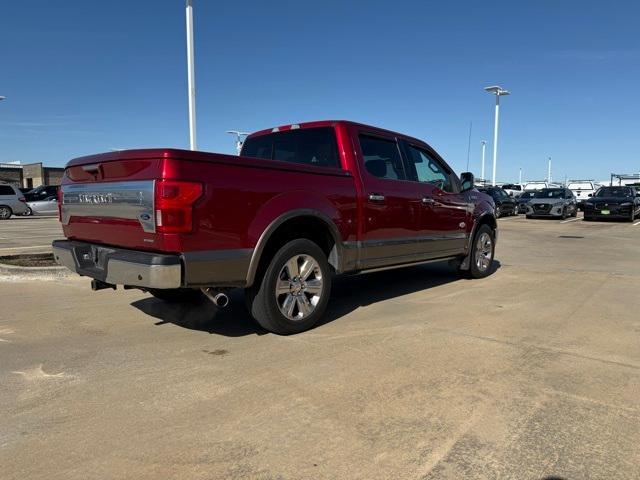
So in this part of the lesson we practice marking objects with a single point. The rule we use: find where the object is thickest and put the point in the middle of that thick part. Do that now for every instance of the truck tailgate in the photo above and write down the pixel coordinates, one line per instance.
(109, 199)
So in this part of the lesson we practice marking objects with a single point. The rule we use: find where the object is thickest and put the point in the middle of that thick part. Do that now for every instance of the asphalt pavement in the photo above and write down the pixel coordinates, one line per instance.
(32, 234)
(531, 373)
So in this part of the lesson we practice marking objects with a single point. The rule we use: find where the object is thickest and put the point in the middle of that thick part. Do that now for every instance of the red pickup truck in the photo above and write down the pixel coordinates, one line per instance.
(301, 203)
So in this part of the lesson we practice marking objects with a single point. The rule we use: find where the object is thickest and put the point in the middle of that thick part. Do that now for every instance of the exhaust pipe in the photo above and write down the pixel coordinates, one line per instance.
(218, 298)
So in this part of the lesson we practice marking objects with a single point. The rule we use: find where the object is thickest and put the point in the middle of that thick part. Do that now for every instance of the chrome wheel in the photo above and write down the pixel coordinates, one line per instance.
(5, 213)
(484, 251)
(299, 287)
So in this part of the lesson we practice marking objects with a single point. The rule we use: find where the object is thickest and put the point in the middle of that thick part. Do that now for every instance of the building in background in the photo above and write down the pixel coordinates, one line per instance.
(30, 175)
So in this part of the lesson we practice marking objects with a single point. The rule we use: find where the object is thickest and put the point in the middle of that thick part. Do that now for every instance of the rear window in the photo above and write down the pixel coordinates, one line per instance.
(580, 186)
(309, 146)
(6, 190)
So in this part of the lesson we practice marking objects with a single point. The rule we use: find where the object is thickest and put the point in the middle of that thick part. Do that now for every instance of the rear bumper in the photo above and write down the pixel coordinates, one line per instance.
(119, 266)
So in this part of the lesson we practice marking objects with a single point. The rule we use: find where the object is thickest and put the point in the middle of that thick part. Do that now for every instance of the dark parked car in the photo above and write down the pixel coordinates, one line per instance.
(42, 192)
(523, 200)
(505, 205)
(552, 202)
(613, 202)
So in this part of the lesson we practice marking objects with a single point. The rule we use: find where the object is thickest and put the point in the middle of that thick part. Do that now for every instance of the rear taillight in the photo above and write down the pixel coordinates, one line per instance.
(22, 199)
(174, 205)
(60, 197)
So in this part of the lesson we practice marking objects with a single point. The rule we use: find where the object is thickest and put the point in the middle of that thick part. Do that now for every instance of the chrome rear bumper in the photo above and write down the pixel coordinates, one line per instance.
(119, 266)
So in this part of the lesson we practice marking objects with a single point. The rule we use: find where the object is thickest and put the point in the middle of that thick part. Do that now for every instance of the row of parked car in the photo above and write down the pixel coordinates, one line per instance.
(42, 200)
(561, 202)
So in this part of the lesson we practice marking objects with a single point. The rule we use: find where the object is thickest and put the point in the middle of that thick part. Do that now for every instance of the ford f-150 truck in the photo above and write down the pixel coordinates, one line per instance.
(301, 203)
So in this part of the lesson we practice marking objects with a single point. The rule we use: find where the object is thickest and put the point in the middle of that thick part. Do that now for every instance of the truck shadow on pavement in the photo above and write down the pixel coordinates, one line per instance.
(349, 292)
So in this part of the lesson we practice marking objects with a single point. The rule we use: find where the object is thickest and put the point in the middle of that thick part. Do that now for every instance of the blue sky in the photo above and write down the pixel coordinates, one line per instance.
(84, 76)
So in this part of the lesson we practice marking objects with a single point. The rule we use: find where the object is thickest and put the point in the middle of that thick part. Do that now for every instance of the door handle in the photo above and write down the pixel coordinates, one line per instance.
(428, 201)
(376, 197)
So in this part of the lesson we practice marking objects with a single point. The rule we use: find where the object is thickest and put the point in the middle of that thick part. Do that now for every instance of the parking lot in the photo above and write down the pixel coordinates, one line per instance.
(533, 372)
(28, 234)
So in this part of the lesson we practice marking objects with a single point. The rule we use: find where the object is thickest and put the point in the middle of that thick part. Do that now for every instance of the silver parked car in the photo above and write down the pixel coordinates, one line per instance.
(552, 202)
(47, 206)
(12, 201)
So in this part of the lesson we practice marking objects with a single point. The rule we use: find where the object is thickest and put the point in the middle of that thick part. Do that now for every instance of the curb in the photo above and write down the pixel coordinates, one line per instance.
(11, 273)
(15, 273)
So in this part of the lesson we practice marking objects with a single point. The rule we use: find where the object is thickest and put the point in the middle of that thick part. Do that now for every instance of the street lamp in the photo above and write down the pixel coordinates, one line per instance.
(191, 77)
(2, 98)
(549, 172)
(484, 147)
(239, 140)
(498, 92)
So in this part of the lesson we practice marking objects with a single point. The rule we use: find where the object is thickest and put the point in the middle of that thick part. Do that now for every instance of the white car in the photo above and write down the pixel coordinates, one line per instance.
(540, 184)
(583, 189)
(513, 189)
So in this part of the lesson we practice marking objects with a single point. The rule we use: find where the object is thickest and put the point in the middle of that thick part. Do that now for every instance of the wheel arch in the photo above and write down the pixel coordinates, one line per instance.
(301, 223)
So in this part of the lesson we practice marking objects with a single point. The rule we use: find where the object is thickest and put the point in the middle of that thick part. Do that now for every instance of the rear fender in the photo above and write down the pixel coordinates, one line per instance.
(278, 211)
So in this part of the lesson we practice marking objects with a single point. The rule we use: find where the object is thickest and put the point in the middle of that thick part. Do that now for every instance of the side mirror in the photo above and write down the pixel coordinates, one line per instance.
(468, 181)
(590, 195)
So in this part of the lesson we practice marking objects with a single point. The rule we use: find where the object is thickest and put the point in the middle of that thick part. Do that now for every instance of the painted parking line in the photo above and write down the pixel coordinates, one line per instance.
(637, 223)
(572, 220)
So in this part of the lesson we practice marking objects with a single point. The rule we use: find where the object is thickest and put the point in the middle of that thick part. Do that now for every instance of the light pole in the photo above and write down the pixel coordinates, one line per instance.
(191, 77)
(2, 98)
(239, 140)
(498, 92)
(549, 171)
(484, 146)
(520, 176)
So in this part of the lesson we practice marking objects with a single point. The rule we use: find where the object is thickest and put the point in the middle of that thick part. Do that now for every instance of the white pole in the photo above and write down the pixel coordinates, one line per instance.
(191, 77)
(495, 140)
(549, 171)
(484, 145)
(520, 177)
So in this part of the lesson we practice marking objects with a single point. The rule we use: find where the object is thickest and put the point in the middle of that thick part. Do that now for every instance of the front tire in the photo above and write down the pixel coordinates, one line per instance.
(482, 252)
(294, 292)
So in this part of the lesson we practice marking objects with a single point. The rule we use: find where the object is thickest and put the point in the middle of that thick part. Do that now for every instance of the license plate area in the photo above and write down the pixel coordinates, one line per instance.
(92, 257)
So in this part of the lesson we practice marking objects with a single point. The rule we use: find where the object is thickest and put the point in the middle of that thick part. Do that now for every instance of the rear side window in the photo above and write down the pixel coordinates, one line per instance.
(6, 190)
(381, 157)
(308, 146)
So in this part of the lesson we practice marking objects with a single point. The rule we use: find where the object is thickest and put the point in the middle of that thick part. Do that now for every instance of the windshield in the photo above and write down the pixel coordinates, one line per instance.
(614, 192)
(550, 193)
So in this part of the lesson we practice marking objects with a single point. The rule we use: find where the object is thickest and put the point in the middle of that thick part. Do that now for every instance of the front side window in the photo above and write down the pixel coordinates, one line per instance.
(381, 157)
(307, 146)
(428, 169)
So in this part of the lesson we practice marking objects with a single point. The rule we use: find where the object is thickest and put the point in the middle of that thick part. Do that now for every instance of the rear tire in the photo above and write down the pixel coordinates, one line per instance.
(293, 293)
(176, 295)
(5, 212)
